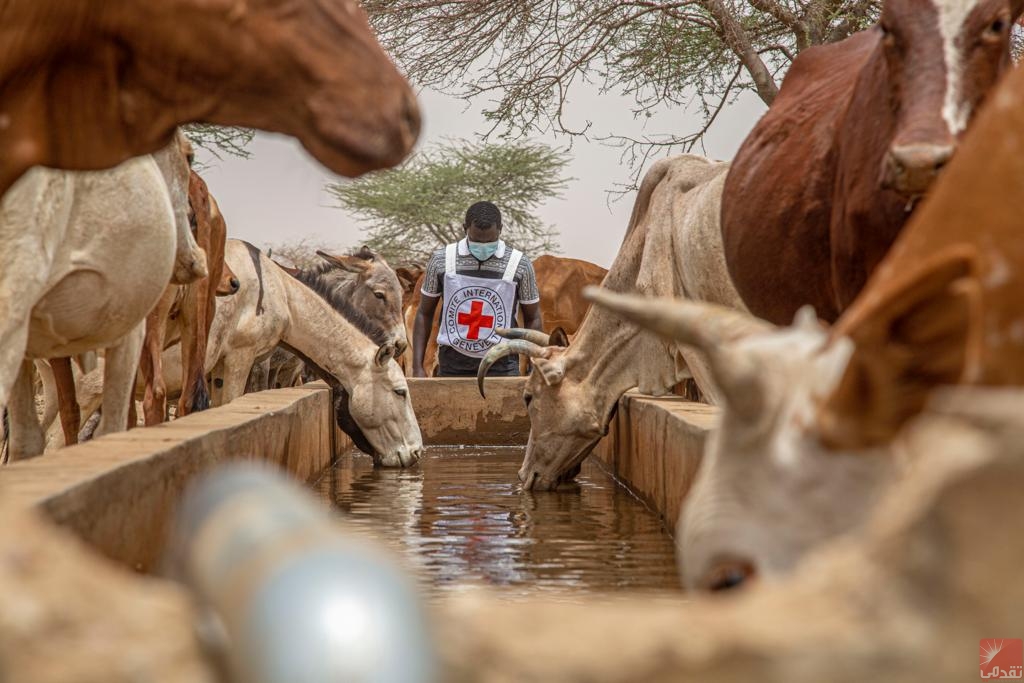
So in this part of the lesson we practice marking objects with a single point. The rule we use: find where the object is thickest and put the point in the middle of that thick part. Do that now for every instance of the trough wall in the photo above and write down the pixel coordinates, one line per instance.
(119, 492)
(654, 446)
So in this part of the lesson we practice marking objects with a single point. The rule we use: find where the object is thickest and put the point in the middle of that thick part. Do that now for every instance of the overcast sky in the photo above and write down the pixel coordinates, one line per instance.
(278, 196)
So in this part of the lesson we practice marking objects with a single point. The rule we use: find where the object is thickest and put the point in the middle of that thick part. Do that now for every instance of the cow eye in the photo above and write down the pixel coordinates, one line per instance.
(888, 37)
(728, 576)
(401, 392)
(997, 26)
(526, 399)
(380, 295)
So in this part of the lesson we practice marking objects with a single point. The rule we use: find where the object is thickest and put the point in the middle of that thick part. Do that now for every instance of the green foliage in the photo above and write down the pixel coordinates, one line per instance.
(420, 206)
(524, 58)
(218, 140)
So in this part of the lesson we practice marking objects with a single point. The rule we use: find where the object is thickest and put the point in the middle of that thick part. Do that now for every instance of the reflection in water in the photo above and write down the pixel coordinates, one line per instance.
(460, 519)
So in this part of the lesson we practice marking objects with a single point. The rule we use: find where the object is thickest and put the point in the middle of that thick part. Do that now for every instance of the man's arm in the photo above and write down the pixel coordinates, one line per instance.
(531, 316)
(421, 331)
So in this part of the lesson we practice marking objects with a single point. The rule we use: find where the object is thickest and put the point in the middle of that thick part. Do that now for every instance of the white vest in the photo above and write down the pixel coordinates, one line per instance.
(474, 307)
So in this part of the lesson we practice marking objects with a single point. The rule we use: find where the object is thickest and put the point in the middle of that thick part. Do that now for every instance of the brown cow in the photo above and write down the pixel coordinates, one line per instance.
(193, 307)
(86, 84)
(809, 429)
(825, 181)
(560, 281)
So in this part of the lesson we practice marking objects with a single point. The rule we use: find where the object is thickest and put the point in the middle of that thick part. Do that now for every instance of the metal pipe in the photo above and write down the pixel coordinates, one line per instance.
(298, 600)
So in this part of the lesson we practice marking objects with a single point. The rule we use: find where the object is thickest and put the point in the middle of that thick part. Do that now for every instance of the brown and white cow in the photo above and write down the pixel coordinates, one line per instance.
(186, 312)
(672, 247)
(826, 180)
(810, 427)
(86, 84)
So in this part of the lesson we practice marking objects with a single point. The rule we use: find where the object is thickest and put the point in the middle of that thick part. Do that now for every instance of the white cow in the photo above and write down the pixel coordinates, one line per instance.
(673, 247)
(86, 256)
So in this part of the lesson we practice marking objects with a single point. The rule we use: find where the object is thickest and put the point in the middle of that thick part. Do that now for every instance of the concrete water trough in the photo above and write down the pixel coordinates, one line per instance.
(118, 492)
(873, 606)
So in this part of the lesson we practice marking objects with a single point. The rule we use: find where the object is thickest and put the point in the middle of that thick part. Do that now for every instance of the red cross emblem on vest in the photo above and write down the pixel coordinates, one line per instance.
(475, 320)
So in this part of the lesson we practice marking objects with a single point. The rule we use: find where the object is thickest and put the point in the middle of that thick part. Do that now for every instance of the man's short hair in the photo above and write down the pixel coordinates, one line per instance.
(483, 215)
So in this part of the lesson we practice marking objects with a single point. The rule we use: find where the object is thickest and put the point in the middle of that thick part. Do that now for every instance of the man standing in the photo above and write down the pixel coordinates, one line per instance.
(481, 281)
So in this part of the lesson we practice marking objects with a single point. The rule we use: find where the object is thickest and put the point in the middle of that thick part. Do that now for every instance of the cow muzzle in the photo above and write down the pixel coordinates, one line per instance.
(911, 169)
(534, 480)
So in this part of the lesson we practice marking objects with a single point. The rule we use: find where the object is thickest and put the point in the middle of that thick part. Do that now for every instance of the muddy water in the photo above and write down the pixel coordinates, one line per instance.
(460, 519)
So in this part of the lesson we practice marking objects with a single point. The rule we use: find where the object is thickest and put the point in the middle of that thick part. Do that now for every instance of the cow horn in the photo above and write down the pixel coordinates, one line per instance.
(707, 327)
(504, 349)
(535, 336)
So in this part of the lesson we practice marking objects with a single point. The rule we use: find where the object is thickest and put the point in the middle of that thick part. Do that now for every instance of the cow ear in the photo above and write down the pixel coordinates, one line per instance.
(352, 264)
(559, 338)
(365, 253)
(407, 278)
(385, 352)
(552, 370)
(908, 340)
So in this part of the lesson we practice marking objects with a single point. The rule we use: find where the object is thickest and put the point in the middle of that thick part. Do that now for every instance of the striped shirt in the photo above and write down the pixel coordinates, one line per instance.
(493, 268)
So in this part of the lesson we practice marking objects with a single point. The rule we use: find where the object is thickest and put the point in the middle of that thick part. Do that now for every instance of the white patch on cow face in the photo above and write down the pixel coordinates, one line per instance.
(768, 490)
(952, 16)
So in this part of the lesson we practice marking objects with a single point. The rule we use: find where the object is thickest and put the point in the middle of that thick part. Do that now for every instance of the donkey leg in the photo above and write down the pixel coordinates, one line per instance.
(119, 368)
(26, 434)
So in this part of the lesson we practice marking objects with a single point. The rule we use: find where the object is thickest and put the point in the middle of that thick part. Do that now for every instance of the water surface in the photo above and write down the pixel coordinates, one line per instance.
(460, 519)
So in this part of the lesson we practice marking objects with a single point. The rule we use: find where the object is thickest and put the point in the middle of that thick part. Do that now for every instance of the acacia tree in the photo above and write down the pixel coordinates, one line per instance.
(420, 206)
(525, 56)
(219, 140)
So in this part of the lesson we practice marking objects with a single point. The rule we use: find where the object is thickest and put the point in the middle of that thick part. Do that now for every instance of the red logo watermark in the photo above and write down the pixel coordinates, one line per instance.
(1002, 659)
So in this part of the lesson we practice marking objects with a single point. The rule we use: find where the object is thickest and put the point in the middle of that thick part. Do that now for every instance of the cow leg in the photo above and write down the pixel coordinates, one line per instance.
(154, 404)
(230, 376)
(70, 416)
(119, 368)
(26, 438)
(258, 378)
(195, 394)
(49, 391)
(133, 415)
(5, 431)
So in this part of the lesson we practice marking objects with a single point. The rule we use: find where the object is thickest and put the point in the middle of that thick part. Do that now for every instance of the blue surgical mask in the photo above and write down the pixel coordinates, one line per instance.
(482, 250)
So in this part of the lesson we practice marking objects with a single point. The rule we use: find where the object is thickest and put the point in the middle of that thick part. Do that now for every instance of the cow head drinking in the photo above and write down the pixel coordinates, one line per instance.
(938, 59)
(573, 392)
(808, 431)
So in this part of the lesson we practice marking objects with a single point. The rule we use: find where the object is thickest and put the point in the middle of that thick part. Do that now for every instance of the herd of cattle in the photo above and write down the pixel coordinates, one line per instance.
(875, 202)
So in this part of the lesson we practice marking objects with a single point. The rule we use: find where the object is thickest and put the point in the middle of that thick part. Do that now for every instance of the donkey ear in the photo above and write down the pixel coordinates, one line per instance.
(916, 336)
(559, 338)
(352, 264)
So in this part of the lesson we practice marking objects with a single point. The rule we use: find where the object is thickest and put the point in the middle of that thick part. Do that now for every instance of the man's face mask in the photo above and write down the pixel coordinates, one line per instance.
(482, 250)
